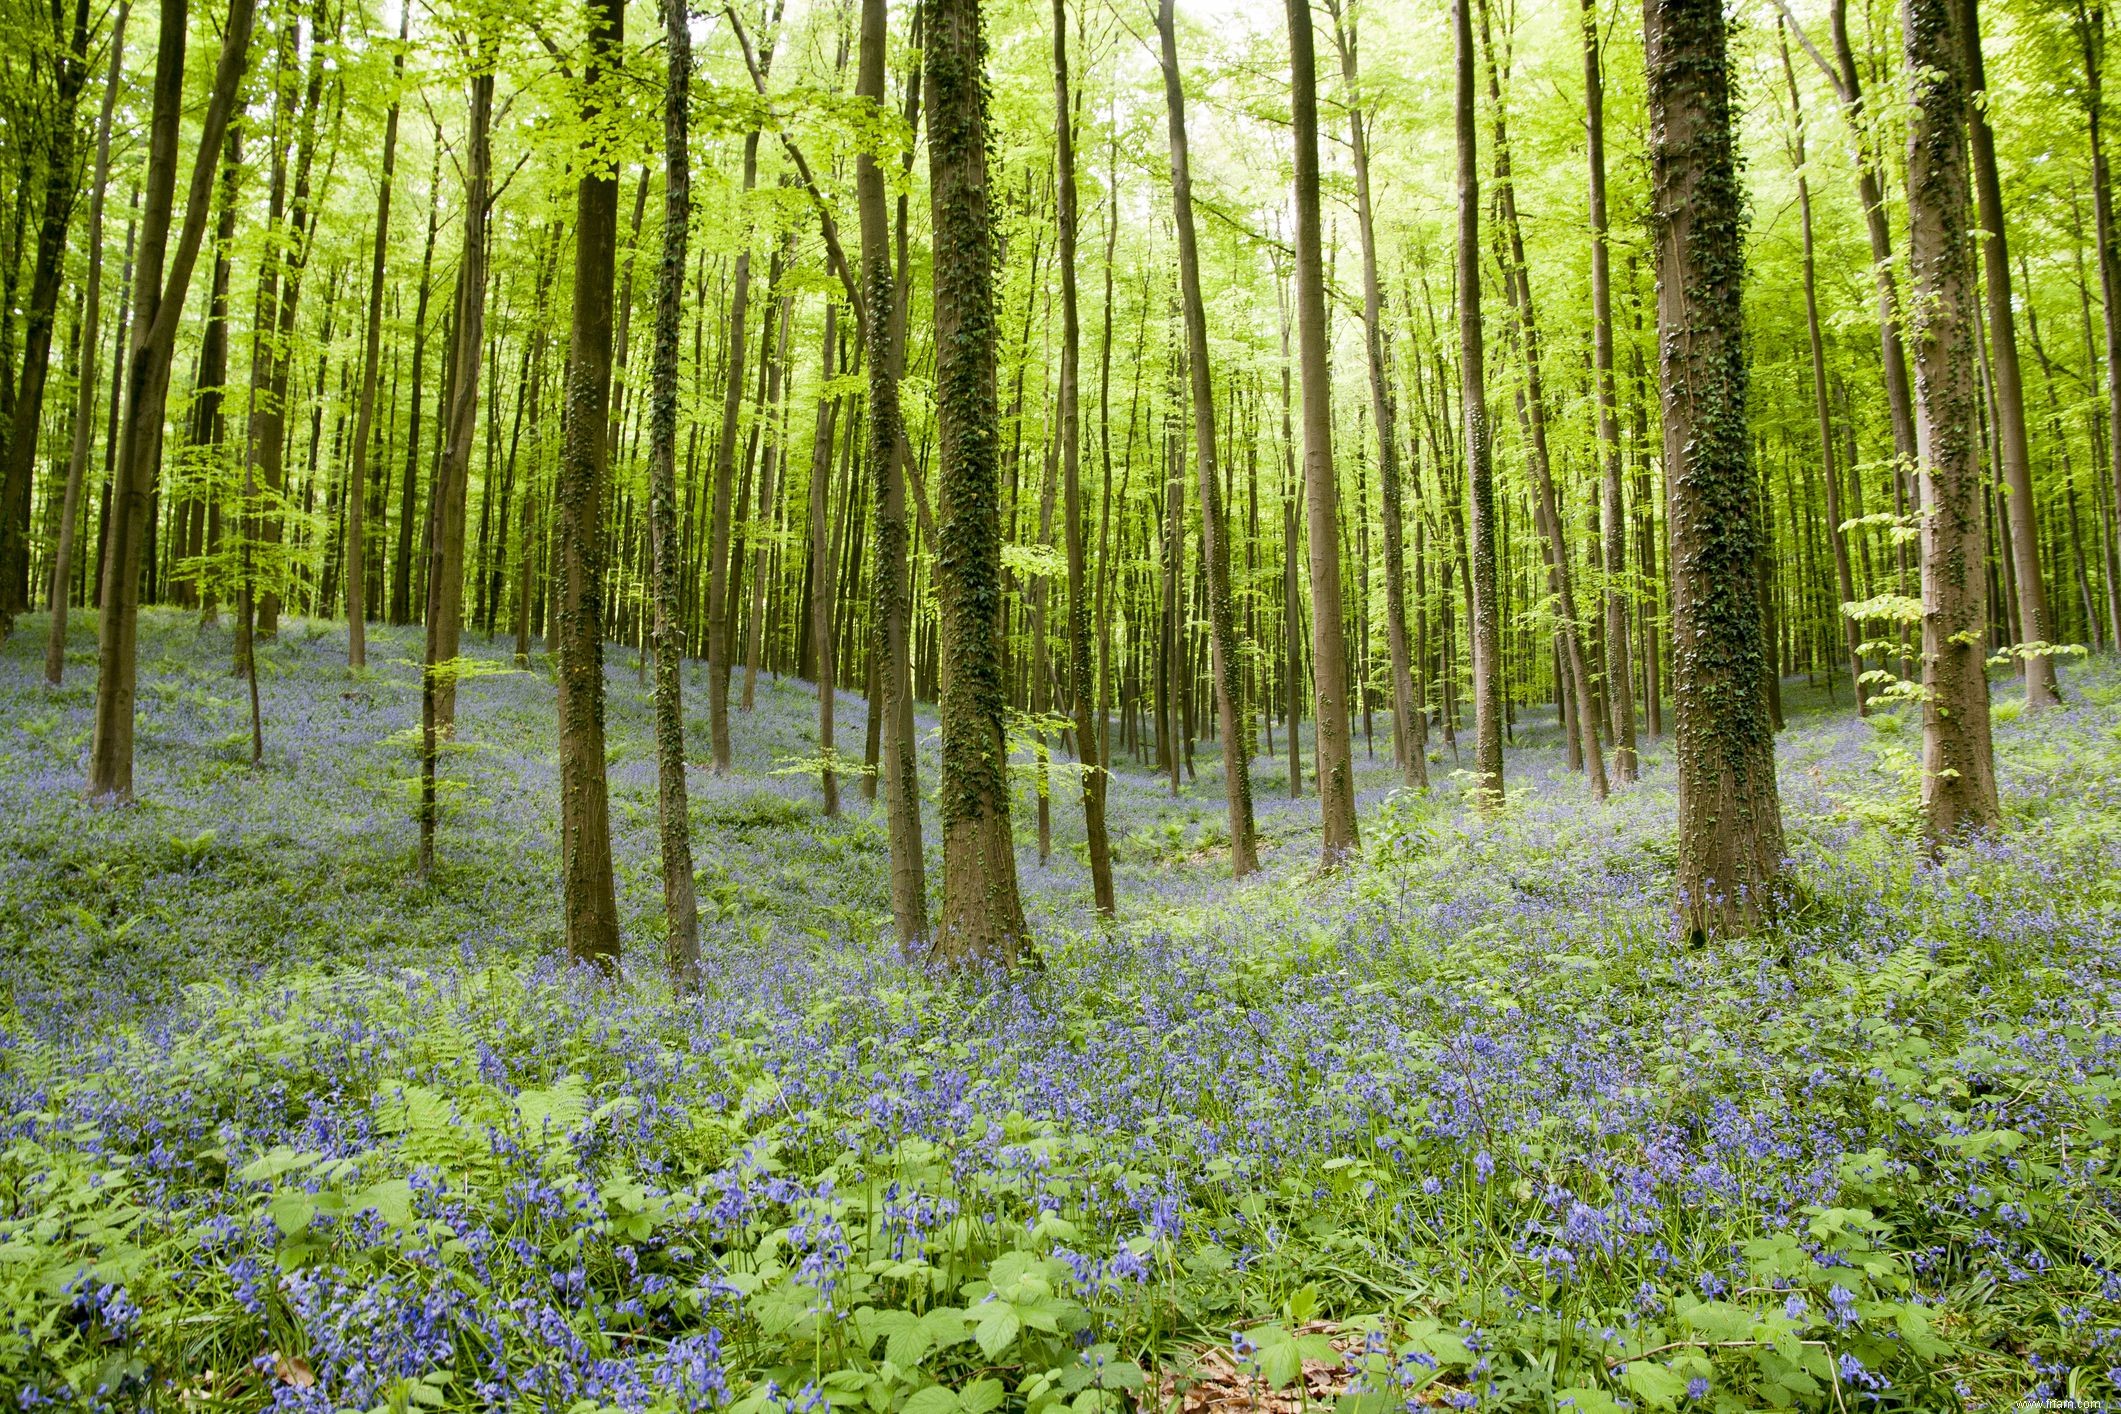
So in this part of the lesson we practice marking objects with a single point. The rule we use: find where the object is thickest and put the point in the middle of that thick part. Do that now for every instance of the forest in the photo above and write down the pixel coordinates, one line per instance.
(1059, 706)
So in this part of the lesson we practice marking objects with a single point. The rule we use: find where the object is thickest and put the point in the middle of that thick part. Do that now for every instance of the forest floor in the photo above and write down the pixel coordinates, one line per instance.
(1466, 1125)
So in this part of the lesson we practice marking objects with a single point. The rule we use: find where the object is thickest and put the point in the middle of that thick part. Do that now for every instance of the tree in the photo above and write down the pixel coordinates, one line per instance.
(590, 908)
(983, 918)
(1612, 526)
(1484, 580)
(681, 912)
(1730, 816)
(85, 393)
(372, 350)
(2007, 401)
(1329, 653)
(1410, 729)
(1214, 543)
(885, 453)
(158, 305)
(1084, 698)
(1958, 764)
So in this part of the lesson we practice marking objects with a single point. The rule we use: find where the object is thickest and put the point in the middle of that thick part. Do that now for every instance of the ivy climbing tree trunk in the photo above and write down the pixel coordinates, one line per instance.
(1730, 816)
(1958, 764)
(983, 916)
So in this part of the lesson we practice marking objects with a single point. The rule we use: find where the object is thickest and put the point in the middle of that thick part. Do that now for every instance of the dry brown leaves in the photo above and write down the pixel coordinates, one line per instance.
(1210, 1381)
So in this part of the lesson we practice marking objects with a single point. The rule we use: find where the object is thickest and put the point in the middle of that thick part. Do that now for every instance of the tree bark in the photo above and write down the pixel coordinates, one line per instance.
(590, 906)
(158, 307)
(1730, 818)
(2029, 585)
(1086, 700)
(1958, 765)
(1483, 581)
(1619, 660)
(1329, 653)
(1215, 546)
(371, 355)
(983, 917)
(681, 912)
(823, 563)
(885, 452)
(91, 346)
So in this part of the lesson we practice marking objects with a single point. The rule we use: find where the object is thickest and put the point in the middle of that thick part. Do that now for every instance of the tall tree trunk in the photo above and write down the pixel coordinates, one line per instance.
(1329, 653)
(1086, 701)
(823, 562)
(2029, 585)
(1517, 278)
(1958, 764)
(983, 916)
(158, 307)
(1214, 541)
(18, 454)
(1619, 674)
(886, 455)
(1483, 581)
(681, 911)
(590, 907)
(445, 552)
(1844, 578)
(1410, 728)
(91, 346)
(372, 350)
(1730, 816)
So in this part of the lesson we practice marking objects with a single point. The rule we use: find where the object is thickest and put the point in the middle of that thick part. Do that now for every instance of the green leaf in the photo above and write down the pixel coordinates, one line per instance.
(997, 1329)
(979, 1397)
(1660, 1387)
(935, 1399)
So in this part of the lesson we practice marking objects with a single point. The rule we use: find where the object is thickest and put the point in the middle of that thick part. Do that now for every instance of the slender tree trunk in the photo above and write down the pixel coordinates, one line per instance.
(1483, 584)
(372, 350)
(1088, 703)
(680, 903)
(91, 346)
(1517, 277)
(1215, 547)
(1329, 654)
(1618, 657)
(1958, 765)
(445, 553)
(1730, 817)
(1844, 578)
(983, 917)
(158, 307)
(1410, 728)
(590, 905)
(886, 455)
(823, 561)
(2029, 586)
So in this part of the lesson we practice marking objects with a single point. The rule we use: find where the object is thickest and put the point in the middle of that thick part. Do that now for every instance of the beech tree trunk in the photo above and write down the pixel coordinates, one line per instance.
(1329, 652)
(158, 308)
(1214, 546)
(1086, 701)
(1619, 661)
(590, 907)
(983, 916)
(1730, 817)
(1484, 583)
(1958, 765)
(681, 911)
(2036, 629)
(885, 452)
(371, 355)
(822, 562)
(91, 346)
